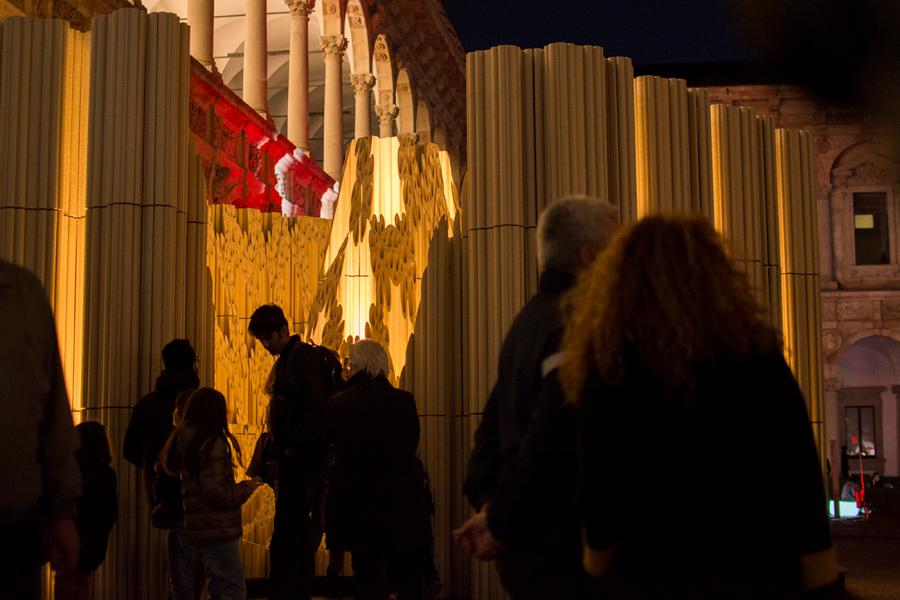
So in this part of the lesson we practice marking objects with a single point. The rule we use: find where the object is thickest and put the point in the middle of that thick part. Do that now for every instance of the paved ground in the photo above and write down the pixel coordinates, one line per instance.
(871, 554)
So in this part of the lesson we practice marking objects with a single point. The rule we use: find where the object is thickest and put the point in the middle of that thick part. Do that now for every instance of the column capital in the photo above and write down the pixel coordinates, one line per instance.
(386, 113)
(412, 137)
(299, 8)
(362, 83)
(334, 44)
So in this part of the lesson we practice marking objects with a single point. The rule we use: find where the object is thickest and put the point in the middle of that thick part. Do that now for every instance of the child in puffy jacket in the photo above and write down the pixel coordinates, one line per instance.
(201, 453)
(97, 511)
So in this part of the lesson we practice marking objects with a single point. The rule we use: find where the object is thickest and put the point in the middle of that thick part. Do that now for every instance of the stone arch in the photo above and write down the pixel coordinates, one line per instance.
(383, 69)
(332, 15)
(406, 114)
(851, 340)
(358, 46)
(423, 122)
(864, 162)
(871, 360)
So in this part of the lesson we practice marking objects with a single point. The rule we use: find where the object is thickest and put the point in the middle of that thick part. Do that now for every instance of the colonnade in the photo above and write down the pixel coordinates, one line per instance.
(371, 73)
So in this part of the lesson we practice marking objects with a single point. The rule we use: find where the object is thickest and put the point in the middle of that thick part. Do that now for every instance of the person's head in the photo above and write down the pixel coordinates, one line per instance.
(367, 356)
(270, 327)
(666, 298)
(572, 231)
(94, 450)
(206, 412)
(179, 355)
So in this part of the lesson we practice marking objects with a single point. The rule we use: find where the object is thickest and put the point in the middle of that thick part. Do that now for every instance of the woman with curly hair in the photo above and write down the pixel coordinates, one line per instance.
(680, 383)
(201, 453)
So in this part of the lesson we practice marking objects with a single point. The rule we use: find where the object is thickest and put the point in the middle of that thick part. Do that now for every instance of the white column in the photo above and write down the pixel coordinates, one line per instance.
(256, 89)
(333, 46)
(386, 114)
(362, 90)
(200, 19)
(298, 80)
(889, 431)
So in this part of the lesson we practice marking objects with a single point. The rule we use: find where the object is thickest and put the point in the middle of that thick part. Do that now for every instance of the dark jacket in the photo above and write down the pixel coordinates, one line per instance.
(151, 423)
(296, 408)
(97, 513)
(376, 495)
(212, 498)
(672, 485)
(524, 456)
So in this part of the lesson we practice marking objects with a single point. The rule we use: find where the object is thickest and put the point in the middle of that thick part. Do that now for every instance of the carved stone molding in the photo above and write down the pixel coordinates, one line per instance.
(833, 384)
(299, 8)
(334, 44)
(362, 83)
(408, 136)
(831, 341)
(386, 113)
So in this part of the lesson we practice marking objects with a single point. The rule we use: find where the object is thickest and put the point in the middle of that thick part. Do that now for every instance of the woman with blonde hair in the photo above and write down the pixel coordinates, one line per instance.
(680, 385)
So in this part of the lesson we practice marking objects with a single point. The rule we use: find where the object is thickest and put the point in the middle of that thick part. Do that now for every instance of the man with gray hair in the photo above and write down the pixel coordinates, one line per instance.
(521, 475)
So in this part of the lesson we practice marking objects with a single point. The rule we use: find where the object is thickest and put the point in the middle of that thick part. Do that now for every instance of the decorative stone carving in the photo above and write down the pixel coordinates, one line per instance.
(298, 8)
(334, 44)
(386, 113)
(831, 341)
(362, 83)
(64, 10)
(833, 384)
(199, 121)
(410, 137)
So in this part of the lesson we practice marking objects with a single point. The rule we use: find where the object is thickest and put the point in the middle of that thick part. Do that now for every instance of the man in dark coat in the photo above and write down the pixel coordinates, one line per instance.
(376, 494)
(151, 419)
(297, 451)
(522, 478)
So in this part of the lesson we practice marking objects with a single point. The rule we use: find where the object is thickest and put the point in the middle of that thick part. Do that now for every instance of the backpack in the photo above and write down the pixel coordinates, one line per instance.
(334, 380)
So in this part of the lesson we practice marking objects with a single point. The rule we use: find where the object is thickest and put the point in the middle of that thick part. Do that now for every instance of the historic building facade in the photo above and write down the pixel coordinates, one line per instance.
(857, 184)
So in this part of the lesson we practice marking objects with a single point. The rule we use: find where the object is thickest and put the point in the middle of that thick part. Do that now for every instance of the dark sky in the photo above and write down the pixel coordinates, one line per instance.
(651, 32)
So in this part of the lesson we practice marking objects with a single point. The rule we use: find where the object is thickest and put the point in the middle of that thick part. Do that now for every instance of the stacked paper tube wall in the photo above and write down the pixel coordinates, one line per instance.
(112, 218)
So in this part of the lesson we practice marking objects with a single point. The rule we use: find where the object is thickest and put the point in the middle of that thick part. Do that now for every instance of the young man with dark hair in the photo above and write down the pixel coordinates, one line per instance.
(297, 450)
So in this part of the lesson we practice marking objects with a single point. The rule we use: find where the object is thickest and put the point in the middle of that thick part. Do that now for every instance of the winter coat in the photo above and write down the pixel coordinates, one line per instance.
(37, 436)
(151, 423)
(97, 513)
(377, 497)
(668, 485)
(212, 498)
(524, 456)
(297, 406)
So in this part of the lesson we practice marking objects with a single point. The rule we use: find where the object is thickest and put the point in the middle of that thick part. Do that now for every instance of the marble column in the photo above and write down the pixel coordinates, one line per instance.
(386, 114)
(298, 80)
(362, 91)
(200, 20)
(256, 89)
(333, 46)
(889, 431)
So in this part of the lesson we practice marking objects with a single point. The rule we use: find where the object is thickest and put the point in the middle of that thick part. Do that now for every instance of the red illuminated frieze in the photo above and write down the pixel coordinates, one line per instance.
(246, 161)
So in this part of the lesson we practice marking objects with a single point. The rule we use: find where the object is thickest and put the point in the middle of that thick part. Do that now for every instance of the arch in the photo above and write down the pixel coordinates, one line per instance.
(358, 47)
(383, 69)
(406, 114)
(865, 159)
(859, 336)
(423, 122)
(871, 361)
(331, 16)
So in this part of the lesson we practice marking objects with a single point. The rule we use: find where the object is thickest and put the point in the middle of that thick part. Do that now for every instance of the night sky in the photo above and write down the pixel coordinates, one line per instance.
(650, 32)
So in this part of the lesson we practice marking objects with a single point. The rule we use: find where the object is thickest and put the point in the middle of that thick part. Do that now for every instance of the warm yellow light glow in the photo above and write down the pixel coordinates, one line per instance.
(393, 196)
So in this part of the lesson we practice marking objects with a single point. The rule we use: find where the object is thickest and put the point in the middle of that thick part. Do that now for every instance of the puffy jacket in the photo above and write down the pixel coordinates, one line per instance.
(212, 498)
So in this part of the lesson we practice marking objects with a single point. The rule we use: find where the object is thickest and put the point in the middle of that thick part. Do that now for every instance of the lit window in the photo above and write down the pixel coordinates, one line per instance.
(870, 220)
(860, 424)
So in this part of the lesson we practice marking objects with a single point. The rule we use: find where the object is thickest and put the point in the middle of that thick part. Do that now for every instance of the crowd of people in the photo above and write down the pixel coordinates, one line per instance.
(616, 457)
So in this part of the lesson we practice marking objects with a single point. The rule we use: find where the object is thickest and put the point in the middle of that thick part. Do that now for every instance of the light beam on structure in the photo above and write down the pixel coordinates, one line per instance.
(393, 196)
